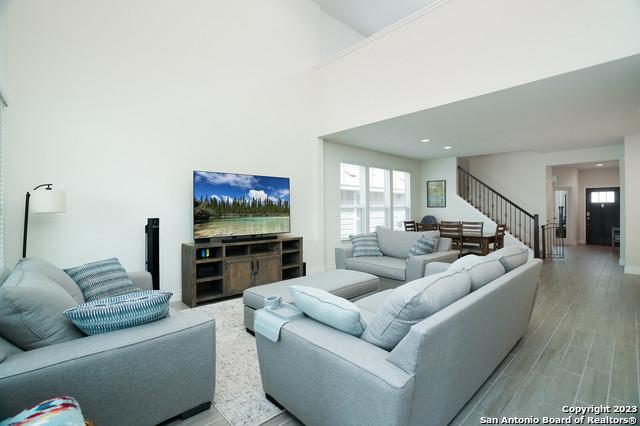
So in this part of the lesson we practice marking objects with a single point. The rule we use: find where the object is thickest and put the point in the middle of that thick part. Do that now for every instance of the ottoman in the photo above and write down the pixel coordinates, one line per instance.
(351, 285)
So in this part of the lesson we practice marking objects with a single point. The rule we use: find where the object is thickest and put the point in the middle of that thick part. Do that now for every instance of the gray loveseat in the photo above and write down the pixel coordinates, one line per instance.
(326, 377)
(138, 376)
(395, 267)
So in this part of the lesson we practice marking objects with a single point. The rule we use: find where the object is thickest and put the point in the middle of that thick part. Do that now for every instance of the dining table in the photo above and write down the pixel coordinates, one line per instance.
(483, 239)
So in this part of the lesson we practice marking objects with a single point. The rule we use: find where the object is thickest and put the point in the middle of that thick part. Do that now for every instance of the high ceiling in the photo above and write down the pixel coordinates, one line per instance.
(590, 107)
(370, 16)
(588, 166)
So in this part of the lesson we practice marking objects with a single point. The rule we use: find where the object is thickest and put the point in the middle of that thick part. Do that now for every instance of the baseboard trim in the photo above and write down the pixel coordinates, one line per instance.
(621, 261)
(633, 270)
(176, 296)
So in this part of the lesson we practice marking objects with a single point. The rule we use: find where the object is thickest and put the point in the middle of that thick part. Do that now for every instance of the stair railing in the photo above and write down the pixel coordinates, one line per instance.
(520, 223)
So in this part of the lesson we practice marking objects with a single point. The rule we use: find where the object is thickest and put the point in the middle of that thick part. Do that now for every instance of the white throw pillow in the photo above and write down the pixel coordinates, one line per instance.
(413, 302)
(329, 309)
(511, 256)
(481, 269)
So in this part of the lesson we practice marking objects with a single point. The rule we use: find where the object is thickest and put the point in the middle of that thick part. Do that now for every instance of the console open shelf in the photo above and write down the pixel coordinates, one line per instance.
(215, 270)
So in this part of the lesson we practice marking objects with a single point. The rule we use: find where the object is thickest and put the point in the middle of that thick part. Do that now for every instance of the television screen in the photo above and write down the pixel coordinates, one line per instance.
(229, 204)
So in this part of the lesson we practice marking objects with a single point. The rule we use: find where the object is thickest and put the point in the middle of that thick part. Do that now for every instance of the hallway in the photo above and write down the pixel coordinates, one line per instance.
(582, 344)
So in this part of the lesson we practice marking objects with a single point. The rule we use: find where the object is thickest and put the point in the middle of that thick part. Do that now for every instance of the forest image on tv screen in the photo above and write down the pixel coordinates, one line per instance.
(228, 204)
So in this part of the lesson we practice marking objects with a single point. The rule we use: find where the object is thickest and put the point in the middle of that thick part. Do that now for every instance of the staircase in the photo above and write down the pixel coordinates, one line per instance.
(520, 223)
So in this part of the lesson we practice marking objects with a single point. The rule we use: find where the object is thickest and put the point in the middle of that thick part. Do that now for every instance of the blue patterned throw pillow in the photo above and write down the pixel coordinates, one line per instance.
(116, 313)
(365, 245)
(102, 279)
(424, 245)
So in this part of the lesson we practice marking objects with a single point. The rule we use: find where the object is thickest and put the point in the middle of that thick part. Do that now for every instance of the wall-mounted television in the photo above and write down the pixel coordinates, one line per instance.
(237, 205)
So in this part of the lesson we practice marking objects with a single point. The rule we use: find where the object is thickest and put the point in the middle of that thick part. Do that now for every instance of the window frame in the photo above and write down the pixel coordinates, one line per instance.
(389, 213)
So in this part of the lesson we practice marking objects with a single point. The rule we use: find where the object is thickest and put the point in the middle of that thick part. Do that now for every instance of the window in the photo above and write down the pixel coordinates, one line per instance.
(401, 199)
(352, 199)
(603, 197)
(371, 197)
(379, 202)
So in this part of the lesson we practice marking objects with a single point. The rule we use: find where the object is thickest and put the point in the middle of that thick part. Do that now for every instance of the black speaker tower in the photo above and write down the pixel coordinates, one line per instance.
(152, 250)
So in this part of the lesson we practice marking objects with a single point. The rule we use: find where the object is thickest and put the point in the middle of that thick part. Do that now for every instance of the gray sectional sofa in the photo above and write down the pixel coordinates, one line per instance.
(395, 267)
(326, 377)
(137, 376)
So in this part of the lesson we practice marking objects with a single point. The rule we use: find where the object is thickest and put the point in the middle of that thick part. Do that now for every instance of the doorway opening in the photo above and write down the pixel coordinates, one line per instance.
(561, 198)
(602, 215)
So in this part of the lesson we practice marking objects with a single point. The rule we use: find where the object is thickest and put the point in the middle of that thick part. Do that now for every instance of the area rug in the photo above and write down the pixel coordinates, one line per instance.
(239, 396)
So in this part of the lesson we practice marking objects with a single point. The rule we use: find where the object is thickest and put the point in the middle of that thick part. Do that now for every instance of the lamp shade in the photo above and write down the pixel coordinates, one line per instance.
(48, 201)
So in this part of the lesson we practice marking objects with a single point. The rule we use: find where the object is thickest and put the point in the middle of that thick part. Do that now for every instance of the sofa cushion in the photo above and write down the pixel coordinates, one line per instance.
(4, 274)
(413, 302)
(102, 279)
(396, 243)
(511, 256)
(31, 311)
(331, 310)
(423, 245)
(385, 266)
(119, 312)
(481, 269)
(60, 411)
(365, 245)
(374, 302)
(8, 349)
(54, 273)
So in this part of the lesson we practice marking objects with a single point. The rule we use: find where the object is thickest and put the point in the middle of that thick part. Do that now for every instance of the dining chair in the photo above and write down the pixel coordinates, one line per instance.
(498, 239)
(452, 230)
(470, 230)
(410, 225)
(427, 226)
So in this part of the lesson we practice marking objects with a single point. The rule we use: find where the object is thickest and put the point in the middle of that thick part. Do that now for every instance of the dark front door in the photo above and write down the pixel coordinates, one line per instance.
(603, 213)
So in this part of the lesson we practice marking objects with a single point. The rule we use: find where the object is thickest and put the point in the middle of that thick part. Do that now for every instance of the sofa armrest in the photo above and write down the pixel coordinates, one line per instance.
(141, 279)
(340, 361)
(123, 364)
(416, 264)
(435, 268)
(342, 254)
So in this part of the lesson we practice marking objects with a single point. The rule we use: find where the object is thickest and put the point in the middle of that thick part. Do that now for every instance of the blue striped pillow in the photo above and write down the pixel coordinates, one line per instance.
(116, 313)
(424, 245)
(102, 279)
(365, 245)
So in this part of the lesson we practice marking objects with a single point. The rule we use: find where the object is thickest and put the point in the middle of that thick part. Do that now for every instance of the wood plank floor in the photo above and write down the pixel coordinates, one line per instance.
(581, 347)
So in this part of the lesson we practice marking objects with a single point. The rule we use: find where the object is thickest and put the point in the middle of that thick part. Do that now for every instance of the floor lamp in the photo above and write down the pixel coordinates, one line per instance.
(44, 201)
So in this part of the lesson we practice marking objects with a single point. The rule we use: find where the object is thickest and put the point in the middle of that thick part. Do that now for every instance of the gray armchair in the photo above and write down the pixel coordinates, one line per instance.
(394, 267)
(137, 376)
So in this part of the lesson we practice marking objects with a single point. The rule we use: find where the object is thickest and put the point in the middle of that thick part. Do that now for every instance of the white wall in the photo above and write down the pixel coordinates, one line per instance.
(335, 36)
(117, 102)
(457, 208)
(457, 49)
(334, 154)
(4, 40)
(631, 232)
(521, 176)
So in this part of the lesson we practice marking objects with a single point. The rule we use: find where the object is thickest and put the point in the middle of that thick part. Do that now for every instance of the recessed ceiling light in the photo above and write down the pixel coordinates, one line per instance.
(599, 165)
(425, 140)
(447, 147)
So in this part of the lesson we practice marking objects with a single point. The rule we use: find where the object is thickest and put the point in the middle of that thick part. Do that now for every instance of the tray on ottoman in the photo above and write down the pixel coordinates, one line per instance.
(351, 285)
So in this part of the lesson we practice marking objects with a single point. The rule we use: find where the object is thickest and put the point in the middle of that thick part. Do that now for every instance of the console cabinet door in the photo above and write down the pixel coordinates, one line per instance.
(269, 269)
(238, 275)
